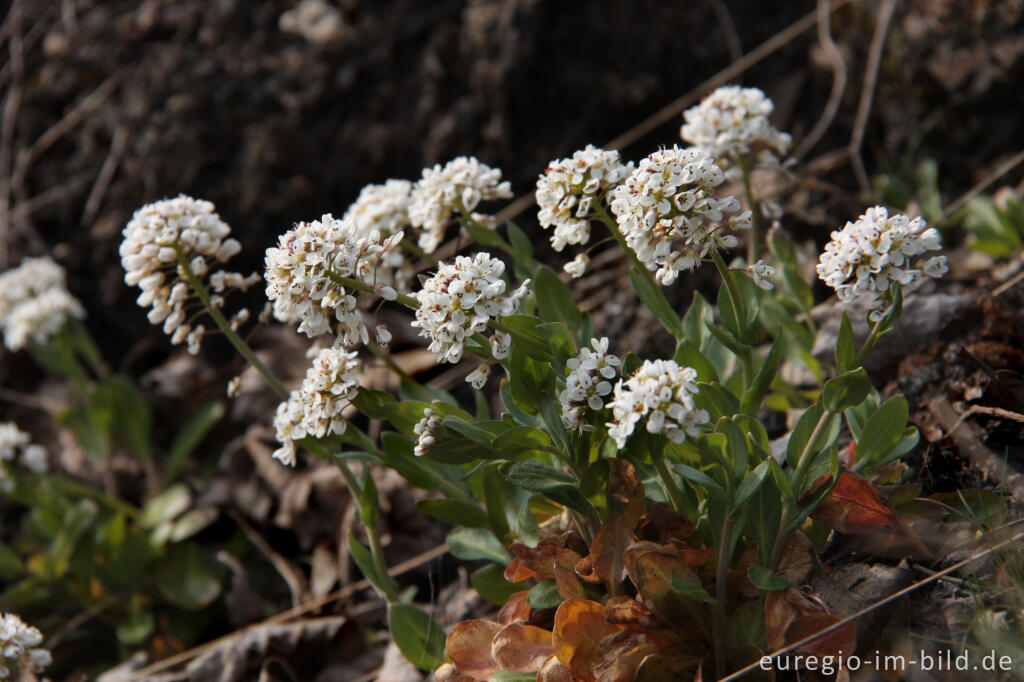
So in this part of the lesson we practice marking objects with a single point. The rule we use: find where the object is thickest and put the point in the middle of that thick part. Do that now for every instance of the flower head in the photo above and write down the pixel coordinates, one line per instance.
(299, 275)
(588, 381)
(567, 190)
(577, 266)
(385, 209)
(35, 303)
(459, 186)
(316, 408)
(868, 255)
(165, 239)
(459, 301)
(19, 645)
(16, 448)
(732, 121)
(661, 392)
(762, 273)
(479, 376)
(426, 430)
(667, 212)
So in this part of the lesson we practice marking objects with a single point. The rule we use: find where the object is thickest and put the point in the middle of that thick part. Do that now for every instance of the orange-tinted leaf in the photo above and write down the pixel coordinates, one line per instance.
(663, 524)
(605, 561)
(554, 671)
(789, 616)
(698, 557)
(469, 647)
(579, 628)
(624, 486)
(523, 648)
(797, 559)
(449, 673)
(652, 567)
(854, 506)
(516, 572)
(621, 654)
(624, 610)
(543, 558)
(515, 609)
(568, 586)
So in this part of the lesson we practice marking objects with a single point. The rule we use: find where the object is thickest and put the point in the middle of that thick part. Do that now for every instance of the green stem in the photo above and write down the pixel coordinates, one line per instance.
(675, 495)
(218, 318)
(803, 463)
(753, 245)
(389, 587)
(357, 285)
(721, 593)
(872, 339)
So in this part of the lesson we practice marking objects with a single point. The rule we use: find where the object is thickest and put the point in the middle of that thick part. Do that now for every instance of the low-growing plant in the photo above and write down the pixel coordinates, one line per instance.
(636, 518)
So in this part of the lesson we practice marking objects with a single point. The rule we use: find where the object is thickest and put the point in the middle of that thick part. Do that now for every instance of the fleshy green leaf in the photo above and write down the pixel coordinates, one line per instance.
(846, 390)
(655, 300)
(417, 635)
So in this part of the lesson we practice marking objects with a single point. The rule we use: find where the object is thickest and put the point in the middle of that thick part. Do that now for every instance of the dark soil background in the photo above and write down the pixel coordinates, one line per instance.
(108, 105)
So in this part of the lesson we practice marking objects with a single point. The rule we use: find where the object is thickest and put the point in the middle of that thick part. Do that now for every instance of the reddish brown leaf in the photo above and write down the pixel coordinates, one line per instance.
(621, 654)
(698, 557)
(854, 506)
(449, 673)
(469, 647)
(523, 648)
(663, 524)
(797, 559)
(515, 609)
(580, 627)
(624, 610)
(605, 561)
(789, 616)
(554, 671)
(543, 558)
(516, 572)
(624, 486)
(737, 579)
(652, 567)
(568, 586)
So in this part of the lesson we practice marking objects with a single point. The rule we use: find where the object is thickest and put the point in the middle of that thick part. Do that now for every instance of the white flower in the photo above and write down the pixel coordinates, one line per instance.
(731, 121)
(478, 377)
(161, 233)
(662, 393)
(459, 186)
(15, 448)
(35, 303)
(234, 386)
(383, 336)
(12, 439)
(460, 299)
(577, 266)
(238, 319)
(567, 191)
(500, 345)
(425, 431)
(761, 273)
(315, 410)
(19, 645)
(385, 209)
(35, 457)
(299, 269)
(195, 337)
(588, 381)
(668, 214)
(866, 256)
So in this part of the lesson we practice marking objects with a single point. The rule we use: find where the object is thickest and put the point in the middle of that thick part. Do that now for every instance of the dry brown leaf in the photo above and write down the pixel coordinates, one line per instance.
(580, 627)
(568, 586)
(789, 616)
(854, 507)
(605, 561)
(515, 609)
(469, 647)
(543, 558)
(554, 671)
(523, 648)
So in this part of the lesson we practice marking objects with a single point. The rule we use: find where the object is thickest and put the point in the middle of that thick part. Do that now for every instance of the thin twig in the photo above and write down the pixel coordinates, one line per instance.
(999, 172)
(106, 174)
(989, 411)
(729, 32)
(1008, 284)
(867, 93)
(7, 125)
(295, 581)
(882, 602)
(835, 97)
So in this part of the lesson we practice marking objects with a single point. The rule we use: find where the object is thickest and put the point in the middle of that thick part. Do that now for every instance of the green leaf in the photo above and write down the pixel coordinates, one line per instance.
(547, 480)
(525, 331)
(693, 590)
(544, 595)
(495, 501)
(189, 437)
(512, 676)
(166, 506)
(482, 432)
(751, 483)
(476, 543)
(522, 247)
(688, 355)
(846, 350)
(526, 524)
(718, 401)
(417, 635)
(369, 505)
(490, 583)
(554, 299)
(187, 577)
(655, 300)
(883, 430)
(846, 390)
(136, 626)
(765, 579)
(455, 512)
(697, 320)
(133, 418)
(10, 564)
(703, 482)
(789, 267)
(529, 379)
(364, 561)
(192, 522)
(754, 396)
(482, 235)
(398, 450)
(517, 440)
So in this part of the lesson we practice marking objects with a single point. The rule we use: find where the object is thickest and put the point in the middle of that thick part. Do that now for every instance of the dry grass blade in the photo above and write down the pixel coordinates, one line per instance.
(839, 73)
(867, 93)
(881, 602)
(999, 172)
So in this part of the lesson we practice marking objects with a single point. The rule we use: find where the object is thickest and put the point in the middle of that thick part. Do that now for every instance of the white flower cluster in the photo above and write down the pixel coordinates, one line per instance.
(385, 209)
(668, 214)
(662, 392)
(567, 191)
(15, 447)
(732, 121)
(316, 408)
(154, 239)
(460, 185)
(426, 430)
(298, 273)
(19, 644)
(762, 273)
(588, 381)
(35, 303)
(868, 255)
(460, 299)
